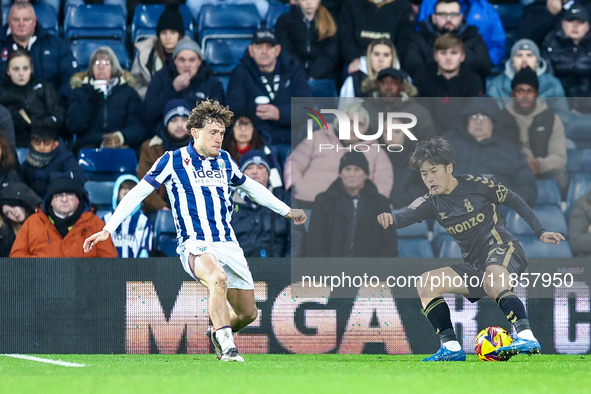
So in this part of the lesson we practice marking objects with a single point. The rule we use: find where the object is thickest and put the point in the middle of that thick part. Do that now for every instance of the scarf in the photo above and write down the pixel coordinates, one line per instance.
(39, 159)
(171, 143)
(65, 225)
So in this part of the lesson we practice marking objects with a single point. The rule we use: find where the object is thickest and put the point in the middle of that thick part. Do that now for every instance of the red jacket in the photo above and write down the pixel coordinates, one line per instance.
(39, 238)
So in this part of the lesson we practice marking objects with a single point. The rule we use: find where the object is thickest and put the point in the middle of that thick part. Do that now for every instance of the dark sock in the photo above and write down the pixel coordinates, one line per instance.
(437, 312)
(513, 308)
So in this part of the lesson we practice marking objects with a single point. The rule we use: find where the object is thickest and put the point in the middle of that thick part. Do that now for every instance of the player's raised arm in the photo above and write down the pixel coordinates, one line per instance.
(297, 215)
(385, 219)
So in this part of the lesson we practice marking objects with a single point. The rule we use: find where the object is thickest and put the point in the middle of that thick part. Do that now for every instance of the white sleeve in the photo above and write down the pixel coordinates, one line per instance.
(131, 200)
(347, 90)
(262, 196)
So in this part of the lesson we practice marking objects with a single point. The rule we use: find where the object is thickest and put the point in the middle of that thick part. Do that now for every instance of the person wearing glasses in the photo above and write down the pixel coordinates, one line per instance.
(447, 18)
(104, 108)
(479, 149)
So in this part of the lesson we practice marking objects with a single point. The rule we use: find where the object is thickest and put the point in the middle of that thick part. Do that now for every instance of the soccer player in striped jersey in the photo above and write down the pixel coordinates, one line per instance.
(467, 207)
(198, 178)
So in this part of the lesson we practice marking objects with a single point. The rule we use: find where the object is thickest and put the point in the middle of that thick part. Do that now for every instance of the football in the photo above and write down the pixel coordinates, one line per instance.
(488, 341)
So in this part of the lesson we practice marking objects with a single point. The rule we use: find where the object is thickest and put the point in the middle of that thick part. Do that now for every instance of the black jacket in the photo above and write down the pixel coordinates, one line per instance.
(160, 90)
(245, 85)
(362, 21)
(420, 49)
(39, 100)
(300, 40)
(332, 224)
(15, 194)
(260, 231)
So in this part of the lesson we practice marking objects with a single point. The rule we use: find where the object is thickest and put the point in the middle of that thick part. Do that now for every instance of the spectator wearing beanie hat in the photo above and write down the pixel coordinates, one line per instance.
(60, 228)
(260, 231)
(535, 129)
(343, 219)
(153, 52)
(171, 135)
(187, 76)
(525, 53)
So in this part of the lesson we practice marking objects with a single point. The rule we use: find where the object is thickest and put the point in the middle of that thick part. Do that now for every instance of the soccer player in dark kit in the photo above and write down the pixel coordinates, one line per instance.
(466, 206)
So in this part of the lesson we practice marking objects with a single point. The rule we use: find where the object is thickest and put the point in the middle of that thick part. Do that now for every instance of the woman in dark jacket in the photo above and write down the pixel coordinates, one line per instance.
(31, 103)
(309, 33)
(8, 164)
(104, 108)
(18, 202)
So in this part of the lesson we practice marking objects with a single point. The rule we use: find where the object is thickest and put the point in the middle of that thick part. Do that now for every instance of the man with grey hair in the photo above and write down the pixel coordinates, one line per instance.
(186, 77)
(52, 59)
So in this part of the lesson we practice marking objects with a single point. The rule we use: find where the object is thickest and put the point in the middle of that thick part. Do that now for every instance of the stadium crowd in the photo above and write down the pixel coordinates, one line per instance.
(435, 58)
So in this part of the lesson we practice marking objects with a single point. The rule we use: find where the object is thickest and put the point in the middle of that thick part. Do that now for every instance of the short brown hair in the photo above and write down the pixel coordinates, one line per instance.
(448, 41)
(209, 111)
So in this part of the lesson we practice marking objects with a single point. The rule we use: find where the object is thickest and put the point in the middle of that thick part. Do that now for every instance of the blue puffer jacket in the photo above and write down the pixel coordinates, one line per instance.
(160, 91)
(52, 59)
(481, 14)
(245, 85)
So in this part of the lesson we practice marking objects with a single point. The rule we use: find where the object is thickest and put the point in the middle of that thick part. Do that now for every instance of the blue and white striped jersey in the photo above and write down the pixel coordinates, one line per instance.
(199, 192)
(133, 235)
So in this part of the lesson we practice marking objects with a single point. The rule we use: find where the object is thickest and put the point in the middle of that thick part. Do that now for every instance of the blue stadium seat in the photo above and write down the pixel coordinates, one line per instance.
(5, 13)
(224, 79)
(578, 161)
(100, 194)
(240, 20)
(550, 216)
(447, 247)
(417, 230)
(323, 88)
(21, 154)
(165, 233)
(548, 193)
(579, 185)
(145, 20)
(223, 55)
(510, 15)
(415, 247)
(533, 247)
(107, 164)
(83, 49)
(276, 9)
(47, 16)
(95, 21)
(119, 3)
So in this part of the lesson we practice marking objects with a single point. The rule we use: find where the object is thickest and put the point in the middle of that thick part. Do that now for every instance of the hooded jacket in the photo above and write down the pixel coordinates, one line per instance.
(52, 59)
(341, 228)
(579, 236)
(39, 100)
(15, 194)
(245, 85)
(40, 238)
(133, 237)
(139, 68)
(91, 115)
(160, 90)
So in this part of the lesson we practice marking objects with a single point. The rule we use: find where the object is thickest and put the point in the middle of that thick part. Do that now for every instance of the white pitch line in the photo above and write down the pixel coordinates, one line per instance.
(45, 360)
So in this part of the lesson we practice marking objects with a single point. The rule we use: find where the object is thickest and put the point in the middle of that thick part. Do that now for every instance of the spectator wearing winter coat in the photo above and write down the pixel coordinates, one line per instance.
(60, 228)
(264, 83)
(104, 109)
(309, 34)
(31, 103)
(447, 18)
(8, 164)
(133, 237)
(525, 53)
(6, 126)
(48, 159)
(362, 21)
(534, 127)
(18, 202)
(479, 13)
(153, 52)
(186, 77)
(343, 219)
(479, 150)
(52, 59)
(579, 226)
(260, 231)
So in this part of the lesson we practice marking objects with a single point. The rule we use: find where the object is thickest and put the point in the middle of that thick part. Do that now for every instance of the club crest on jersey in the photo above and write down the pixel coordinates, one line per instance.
(468, 205)
(443, 215)
(222, 164)
(202, 248)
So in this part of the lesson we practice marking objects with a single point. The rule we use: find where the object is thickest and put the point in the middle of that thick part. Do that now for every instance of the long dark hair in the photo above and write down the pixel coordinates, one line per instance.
(229, 144)
(7, 159)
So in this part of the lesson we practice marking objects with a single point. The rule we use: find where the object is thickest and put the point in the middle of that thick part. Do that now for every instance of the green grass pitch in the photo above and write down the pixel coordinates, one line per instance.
(364, 374)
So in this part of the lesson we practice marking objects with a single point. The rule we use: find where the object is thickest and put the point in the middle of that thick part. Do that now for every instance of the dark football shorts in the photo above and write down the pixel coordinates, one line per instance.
(509, 255)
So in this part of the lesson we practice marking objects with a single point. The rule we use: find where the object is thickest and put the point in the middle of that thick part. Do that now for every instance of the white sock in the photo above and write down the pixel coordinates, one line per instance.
(454, 346)
(225, 338)
(527, 334)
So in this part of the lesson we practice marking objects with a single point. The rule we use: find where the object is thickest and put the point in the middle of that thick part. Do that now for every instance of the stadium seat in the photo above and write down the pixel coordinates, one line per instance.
(413, 242)
(239, 20)
(533, 247)
(47, 16)
(21, 154)
(100, 194)
(447, 247)
(95, 21)
(145, 19)
(165, 233)
(83, 49)
(548, 193)
(276, 9)
(323, 88)
(119, 3)
(579, 185)
(5, 13)
(417, 230)
(107, 164)
(550, 216)
(223, 54)
(510, 15)
(578, 161)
